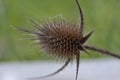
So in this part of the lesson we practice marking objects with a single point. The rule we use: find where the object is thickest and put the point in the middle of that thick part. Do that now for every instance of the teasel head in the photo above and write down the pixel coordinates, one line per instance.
(63, 40)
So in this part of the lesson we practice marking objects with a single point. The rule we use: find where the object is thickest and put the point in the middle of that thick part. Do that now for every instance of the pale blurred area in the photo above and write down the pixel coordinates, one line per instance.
(98, 69)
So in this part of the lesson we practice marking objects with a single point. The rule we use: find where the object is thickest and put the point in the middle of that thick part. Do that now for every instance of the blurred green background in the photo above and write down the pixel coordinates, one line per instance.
(102, 16)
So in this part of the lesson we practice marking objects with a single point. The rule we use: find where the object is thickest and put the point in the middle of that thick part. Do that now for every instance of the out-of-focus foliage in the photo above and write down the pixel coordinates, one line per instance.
(102, 16)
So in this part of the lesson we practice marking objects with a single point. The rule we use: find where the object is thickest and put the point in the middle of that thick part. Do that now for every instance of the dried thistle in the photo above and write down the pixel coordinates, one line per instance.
(64, 40)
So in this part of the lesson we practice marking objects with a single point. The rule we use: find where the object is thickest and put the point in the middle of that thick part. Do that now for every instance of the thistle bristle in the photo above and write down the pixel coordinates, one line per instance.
(60, 38)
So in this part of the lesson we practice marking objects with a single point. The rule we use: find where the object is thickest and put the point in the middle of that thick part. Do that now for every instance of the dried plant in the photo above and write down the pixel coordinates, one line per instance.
(64, 40)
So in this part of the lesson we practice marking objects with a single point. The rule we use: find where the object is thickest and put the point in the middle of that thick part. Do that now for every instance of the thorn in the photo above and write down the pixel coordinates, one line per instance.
(84, 50)
(86, 37)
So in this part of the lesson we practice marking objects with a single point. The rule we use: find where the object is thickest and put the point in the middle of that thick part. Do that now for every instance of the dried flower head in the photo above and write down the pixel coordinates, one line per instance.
(61, 38)
(64, 40)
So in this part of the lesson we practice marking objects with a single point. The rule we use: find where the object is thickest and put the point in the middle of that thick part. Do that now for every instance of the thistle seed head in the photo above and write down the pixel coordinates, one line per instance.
(60, 38)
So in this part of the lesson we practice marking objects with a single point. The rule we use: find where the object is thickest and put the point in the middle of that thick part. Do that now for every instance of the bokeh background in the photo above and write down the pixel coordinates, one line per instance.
(102, 16)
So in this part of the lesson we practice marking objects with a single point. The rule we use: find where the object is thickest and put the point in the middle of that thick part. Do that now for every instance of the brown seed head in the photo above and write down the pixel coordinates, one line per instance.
(60, 38)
